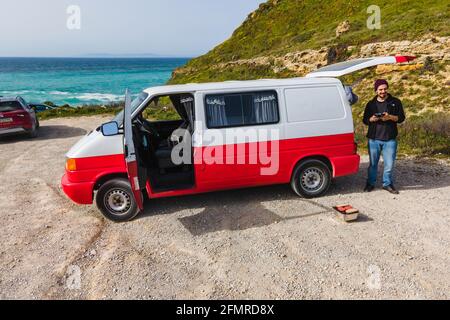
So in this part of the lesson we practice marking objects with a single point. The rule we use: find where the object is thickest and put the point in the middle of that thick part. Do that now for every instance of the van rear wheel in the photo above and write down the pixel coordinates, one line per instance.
(116, 200)
(311, 178)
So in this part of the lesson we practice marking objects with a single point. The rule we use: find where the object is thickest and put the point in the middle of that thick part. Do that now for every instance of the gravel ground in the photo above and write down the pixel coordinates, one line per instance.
(261, 243)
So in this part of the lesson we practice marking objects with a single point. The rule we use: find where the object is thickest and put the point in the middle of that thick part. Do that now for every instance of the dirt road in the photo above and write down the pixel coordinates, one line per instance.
(262, 243)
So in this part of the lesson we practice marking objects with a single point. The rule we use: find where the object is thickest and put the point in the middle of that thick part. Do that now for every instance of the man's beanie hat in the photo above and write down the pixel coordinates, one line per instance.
(380, 82)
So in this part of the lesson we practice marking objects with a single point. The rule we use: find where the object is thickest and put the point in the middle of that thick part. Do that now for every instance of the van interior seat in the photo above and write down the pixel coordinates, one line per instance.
(164, 152)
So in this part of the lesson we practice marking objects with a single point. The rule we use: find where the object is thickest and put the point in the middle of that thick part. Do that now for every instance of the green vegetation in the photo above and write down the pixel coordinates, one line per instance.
(85, 110)
(240, 72)
(426, 131)
(164, 111)
(426, 135)
(282, 26)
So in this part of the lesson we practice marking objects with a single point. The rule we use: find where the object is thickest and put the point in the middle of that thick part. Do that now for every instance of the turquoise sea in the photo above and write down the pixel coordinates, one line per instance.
(78, 81)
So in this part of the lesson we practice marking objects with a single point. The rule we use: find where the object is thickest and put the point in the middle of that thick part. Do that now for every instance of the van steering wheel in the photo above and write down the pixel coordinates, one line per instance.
(146, 127)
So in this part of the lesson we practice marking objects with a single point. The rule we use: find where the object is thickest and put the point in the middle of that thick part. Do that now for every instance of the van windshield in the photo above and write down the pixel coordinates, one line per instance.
(134, 105)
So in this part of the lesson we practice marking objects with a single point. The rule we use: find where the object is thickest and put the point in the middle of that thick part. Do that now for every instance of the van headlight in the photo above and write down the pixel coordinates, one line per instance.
(71, 165)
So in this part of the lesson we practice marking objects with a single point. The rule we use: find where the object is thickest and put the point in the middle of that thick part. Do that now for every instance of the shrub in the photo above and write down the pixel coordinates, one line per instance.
(86, 110)
(429, 65)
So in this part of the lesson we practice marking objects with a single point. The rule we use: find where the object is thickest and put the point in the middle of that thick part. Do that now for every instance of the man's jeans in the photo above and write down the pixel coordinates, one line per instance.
(389, 151)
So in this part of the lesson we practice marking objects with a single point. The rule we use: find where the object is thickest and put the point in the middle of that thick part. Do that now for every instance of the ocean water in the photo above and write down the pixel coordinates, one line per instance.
(78, 81)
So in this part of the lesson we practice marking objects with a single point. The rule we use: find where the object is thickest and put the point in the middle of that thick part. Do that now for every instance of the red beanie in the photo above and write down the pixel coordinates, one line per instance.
(379, 82)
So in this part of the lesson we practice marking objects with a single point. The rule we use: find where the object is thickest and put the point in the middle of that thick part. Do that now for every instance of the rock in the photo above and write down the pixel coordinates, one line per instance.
(438, 49)
(302, 62)
(342, 28)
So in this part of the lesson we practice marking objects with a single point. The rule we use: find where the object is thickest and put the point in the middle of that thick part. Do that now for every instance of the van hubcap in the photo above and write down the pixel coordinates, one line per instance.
(118, 201)
(312, 179)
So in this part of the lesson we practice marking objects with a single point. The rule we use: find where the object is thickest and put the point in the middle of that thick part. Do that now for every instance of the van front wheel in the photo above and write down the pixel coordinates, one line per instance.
(311, 178)
(116, 201)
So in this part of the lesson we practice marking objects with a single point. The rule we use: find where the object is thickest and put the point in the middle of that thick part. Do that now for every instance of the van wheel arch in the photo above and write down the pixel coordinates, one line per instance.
(324, 159)
(108, 177)
(103, 179)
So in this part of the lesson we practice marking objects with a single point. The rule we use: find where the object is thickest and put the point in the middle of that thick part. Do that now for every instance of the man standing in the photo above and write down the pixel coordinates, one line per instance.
(382, 114)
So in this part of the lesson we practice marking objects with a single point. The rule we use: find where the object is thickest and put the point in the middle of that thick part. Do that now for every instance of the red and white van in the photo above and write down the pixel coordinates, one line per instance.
(228, 135)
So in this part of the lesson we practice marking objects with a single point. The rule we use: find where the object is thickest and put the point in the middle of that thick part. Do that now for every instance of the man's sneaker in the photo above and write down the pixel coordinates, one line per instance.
(391, 189)
(368, 188)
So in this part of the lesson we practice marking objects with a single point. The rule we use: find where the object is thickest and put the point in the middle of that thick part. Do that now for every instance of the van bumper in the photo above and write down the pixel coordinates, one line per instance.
(345, 165)
(78, 192)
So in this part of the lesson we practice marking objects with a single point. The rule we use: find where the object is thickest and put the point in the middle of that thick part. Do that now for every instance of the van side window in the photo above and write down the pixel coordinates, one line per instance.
(241, 109)
(314, 103)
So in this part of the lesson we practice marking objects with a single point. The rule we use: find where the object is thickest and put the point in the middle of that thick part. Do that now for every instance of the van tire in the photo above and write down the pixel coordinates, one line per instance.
(116, 201)
(311, 178)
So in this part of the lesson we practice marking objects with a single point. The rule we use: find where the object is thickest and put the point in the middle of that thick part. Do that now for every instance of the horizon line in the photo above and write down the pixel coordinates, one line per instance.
(101, 56)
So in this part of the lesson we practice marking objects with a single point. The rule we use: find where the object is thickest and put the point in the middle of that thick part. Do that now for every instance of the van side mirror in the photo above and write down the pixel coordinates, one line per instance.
(351, 96)
(110, 128)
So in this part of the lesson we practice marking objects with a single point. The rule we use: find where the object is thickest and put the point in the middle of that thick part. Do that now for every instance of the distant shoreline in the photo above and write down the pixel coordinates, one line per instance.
(99, 57)
(82, 80)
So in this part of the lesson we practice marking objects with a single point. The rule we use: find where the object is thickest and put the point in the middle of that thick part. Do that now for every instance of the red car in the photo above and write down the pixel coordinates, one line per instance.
(16, 116)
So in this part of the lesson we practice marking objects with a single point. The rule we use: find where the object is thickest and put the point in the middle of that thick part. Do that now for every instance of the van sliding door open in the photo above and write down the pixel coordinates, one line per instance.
(346, 67)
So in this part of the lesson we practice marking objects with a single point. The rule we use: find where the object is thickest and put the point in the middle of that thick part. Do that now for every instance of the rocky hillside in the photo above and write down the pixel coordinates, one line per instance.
(289, 38)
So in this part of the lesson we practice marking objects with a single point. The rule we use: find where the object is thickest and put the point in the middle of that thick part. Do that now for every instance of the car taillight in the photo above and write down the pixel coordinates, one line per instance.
(71, 165)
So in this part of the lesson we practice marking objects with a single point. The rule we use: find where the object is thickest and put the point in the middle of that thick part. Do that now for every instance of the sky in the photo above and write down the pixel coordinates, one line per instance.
(73, 28)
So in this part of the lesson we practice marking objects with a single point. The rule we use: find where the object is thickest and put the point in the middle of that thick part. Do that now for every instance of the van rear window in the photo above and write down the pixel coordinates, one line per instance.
(6, 106)
(241, 109)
